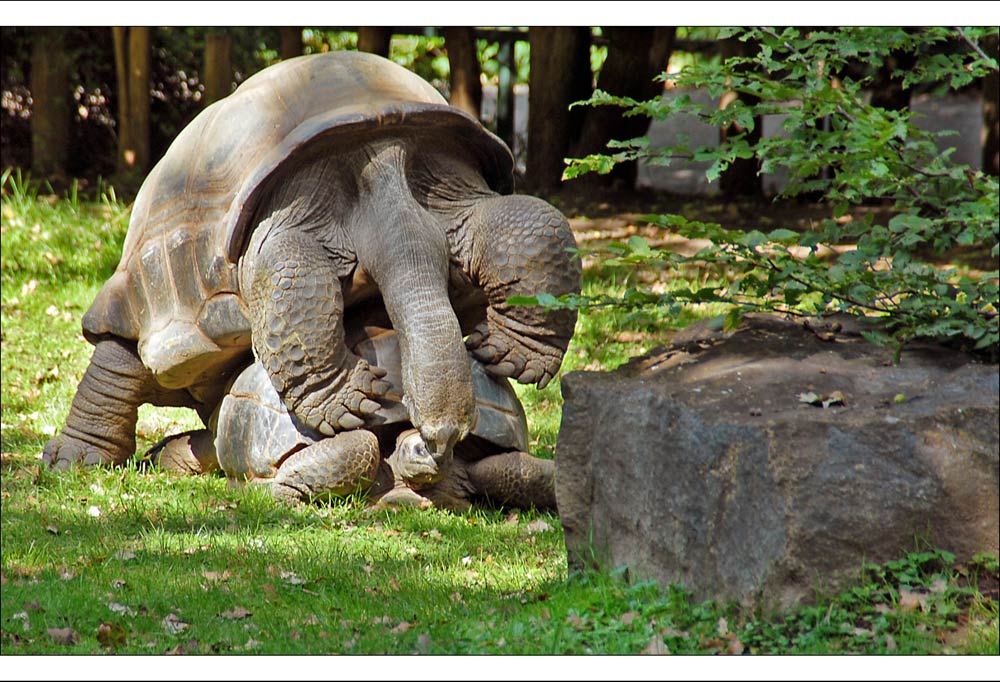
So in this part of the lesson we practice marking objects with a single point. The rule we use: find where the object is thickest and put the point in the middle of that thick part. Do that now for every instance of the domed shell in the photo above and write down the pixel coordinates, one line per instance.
(254, 430)
(175, 290)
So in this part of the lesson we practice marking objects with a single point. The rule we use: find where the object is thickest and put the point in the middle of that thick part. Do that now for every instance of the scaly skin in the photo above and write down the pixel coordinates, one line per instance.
(296, 313)
(100, 427)
(520, 246)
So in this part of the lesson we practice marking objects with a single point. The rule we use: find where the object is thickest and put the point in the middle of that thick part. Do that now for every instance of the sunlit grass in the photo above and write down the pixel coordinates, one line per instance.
(164, 564)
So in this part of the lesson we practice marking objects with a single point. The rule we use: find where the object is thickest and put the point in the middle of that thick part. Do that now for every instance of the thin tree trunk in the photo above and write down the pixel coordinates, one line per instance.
(50, 94)
(463, 62)
(132, 66)
(635, 57)
(887, 91)
(291, 41)
(991, 119)
(218, 67)
(560, 75)
(742, 177)
(375, 39)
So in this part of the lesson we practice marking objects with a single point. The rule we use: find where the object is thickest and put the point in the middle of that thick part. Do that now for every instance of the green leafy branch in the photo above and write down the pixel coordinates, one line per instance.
(835, 143)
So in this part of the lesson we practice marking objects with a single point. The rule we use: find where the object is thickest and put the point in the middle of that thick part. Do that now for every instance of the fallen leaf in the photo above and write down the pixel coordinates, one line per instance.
(94, 511)
(910, 601)
(251, 644)
(883, 609)
(111, 635)
(466, 560)
(310, 620)
(401, 628)
(810, 398)
(291, 578)
(535, 527)
(512, 519)
(433, 533)
(296, 634)
(393, 584)
(52, 529)
(173, 624)
(121, 609)
(722, 627)
(235, 613)
(64, 636)
(574, 620)
(735, 647)
(939, 586)
(835, 398)
(383, 620)
(890, 643)
(216, 576)
(629, 617)
(423, 643)
(656, 647)
(124, 555)
(456, 598)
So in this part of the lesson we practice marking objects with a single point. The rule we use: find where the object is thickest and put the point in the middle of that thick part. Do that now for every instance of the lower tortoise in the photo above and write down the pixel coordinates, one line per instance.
(325, 184)
(254, 439)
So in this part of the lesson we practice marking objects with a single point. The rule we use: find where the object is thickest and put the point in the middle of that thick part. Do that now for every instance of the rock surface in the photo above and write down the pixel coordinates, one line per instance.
(702, 464)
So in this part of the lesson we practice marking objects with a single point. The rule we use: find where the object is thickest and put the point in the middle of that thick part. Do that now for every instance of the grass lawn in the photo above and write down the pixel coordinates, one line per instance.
(140, 562)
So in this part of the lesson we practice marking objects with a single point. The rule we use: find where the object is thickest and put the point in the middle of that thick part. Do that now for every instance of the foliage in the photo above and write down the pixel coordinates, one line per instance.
(834, 143)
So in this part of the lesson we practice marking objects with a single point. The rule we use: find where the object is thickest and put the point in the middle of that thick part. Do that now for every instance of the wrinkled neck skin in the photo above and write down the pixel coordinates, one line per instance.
(404, 248)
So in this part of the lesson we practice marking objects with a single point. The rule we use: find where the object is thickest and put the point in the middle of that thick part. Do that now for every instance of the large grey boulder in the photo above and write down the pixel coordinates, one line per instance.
(701, 464)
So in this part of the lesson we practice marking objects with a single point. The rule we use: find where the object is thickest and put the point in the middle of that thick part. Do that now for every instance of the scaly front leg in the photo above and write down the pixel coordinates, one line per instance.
(296, 314)
(520, 245)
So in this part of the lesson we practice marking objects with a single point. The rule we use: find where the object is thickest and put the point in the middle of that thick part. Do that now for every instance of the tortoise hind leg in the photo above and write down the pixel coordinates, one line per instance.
(100, 427)
(333, 467)
(516, 479)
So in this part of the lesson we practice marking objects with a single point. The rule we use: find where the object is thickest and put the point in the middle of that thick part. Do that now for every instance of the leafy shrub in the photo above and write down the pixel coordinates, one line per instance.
(852, 153)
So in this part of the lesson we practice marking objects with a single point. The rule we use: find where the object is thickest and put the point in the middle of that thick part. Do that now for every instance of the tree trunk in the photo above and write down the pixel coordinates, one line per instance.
(132, 64)
(463, 62)
(742, 177)
(218, 67)
(887, 91)
(635, 57)
(560, 75)
(991, 119)
(375, 39)
(291, 41)
(50, 94)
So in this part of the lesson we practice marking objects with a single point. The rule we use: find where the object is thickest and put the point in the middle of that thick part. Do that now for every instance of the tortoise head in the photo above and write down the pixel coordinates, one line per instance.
(415, 464)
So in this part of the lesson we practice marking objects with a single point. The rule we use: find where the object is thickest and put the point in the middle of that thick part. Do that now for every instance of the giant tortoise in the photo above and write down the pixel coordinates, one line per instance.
(324, 183)
(254, 439)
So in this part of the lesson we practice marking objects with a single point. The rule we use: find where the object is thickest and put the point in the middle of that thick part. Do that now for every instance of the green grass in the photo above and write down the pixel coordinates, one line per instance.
(142, 562)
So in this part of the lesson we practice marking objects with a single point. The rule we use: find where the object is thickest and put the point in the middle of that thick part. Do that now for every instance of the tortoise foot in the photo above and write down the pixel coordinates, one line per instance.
(64, 452)
(349, 401)
(507, 349)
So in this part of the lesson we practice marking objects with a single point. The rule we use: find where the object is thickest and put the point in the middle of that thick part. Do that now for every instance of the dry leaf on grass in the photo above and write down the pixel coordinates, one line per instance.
(535, 527)
(910, 600)
(173, 624)
(235, 613)
(216, 576)
(111, 635)
(656, 647)
(64, 636)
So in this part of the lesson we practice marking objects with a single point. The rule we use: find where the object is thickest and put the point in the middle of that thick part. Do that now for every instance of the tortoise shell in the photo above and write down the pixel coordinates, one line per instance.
(255, 431)
(176, 290)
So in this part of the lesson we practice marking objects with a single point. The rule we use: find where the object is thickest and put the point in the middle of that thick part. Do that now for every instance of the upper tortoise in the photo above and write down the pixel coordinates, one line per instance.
(326, 183)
